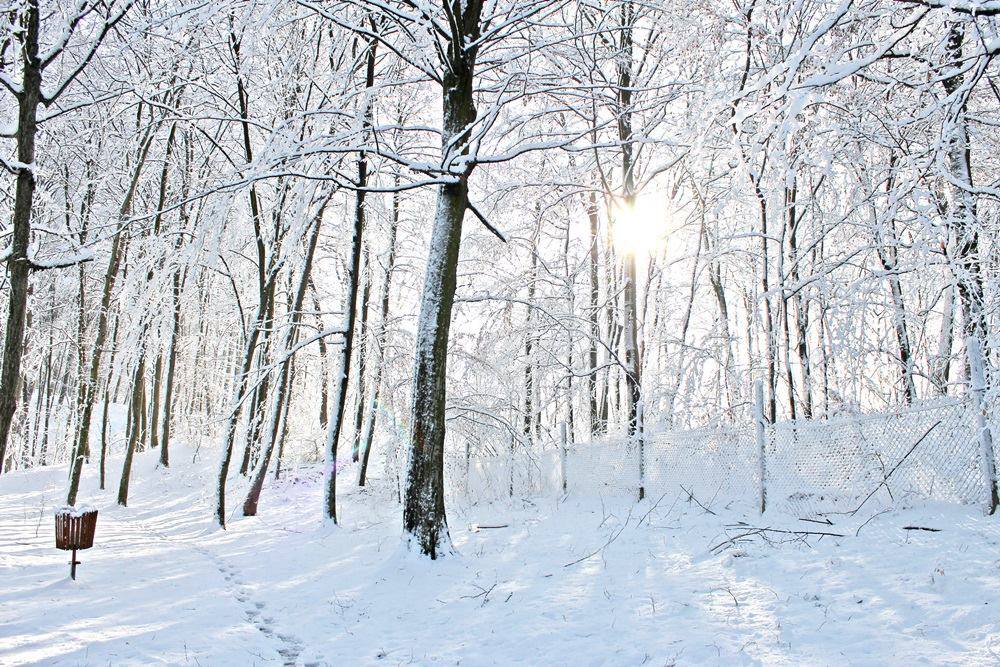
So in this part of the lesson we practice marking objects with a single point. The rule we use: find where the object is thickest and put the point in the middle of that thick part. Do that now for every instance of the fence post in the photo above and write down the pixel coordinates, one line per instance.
(562, 455)
(977, 382)
(468, 468)
(511, 464)
(758, 415)
(641, 440)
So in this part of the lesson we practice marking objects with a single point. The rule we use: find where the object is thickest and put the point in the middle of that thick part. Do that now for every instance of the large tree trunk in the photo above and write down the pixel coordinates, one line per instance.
(964, 217)
(424, 514)
(424, 519)
(965, 261)
(177, 285)
(631, 325)
(18, 264)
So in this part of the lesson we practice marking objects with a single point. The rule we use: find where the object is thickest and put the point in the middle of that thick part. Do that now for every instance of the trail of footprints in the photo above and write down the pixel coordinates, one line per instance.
(291, 646)
(255, 611)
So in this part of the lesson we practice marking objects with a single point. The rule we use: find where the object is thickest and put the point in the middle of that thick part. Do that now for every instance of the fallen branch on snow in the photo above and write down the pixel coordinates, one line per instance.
(606, 544)
(762, 532)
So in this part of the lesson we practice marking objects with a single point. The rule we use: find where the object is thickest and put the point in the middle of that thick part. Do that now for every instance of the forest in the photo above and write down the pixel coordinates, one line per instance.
(244, 239)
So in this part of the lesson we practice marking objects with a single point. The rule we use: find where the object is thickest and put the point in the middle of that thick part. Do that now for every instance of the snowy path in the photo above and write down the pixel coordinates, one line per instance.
(142, 596)
(161, 587)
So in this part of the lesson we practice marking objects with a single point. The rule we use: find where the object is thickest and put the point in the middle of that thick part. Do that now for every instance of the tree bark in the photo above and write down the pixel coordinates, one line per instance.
(964, 216)
(337, 419)
(424, 520)
(110, 278)
(281, 390)
(380, 340)
(18, 264)
(361, 394)
(597, 426)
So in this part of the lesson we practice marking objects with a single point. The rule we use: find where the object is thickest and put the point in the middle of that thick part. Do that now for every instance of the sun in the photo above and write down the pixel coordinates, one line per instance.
(639, 227)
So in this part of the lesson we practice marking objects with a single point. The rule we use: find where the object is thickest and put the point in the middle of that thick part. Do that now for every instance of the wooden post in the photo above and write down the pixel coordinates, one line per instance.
(977, 382)
(562, 455)
(758, 410)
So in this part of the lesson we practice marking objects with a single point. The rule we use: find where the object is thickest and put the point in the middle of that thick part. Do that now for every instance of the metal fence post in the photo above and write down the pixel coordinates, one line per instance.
(511, 464)
(758, 414)
(641, 441)
(977, 381)
(562, 455)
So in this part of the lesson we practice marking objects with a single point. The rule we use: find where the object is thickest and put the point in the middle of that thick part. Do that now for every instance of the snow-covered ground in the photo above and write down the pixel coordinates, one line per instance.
(161, 587)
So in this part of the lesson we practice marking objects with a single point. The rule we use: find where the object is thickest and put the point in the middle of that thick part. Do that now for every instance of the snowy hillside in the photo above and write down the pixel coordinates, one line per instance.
(583, 581)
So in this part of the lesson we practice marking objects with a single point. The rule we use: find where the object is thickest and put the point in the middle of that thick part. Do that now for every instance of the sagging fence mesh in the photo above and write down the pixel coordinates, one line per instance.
(928, 452)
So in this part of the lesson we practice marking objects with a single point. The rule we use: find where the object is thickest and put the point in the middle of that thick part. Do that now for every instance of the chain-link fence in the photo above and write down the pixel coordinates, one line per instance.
(926, 452)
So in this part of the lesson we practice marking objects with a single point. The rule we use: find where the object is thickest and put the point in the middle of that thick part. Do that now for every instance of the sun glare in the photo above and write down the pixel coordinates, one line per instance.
(639, 227)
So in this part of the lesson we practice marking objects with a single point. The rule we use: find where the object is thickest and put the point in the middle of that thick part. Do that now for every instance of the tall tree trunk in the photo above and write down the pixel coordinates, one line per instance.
(783, 305)
(798, 301)
(529, 340)
(18, 263)
(755, 182)
(361, 395)
(104, 408)
(135, 435)
(424, 520)
(718, 289)
(176, 287)
(324, 364)
(100, 340)
(630, 299)
(964, 217)
(168, 390)
(571, 309)
(946, 337)
(678, 374)
(965, 261)
(271, 431)
(597, 425)
(340, 402)
(380, 338)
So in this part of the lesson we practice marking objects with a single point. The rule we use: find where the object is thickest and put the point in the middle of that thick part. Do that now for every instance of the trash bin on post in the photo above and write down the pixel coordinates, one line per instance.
(75, 527)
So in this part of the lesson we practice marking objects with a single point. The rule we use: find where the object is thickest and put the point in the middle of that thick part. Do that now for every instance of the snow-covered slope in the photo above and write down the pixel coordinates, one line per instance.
(582, 581)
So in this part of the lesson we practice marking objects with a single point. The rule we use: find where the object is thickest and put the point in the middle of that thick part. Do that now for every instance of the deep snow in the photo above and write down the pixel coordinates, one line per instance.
(161, 586)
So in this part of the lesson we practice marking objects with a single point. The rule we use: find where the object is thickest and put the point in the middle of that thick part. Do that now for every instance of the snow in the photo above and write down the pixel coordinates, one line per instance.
(74, 511)
(582, 580)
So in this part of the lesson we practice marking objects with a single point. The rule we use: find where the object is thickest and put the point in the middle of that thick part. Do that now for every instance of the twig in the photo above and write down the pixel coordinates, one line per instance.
(929, 530)
(762, 532)
(895, 468)
(476, 527)
(651, 509)
(691, 497)
(858, 531)
(825, 521)
(606, 544)
(484, 593)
